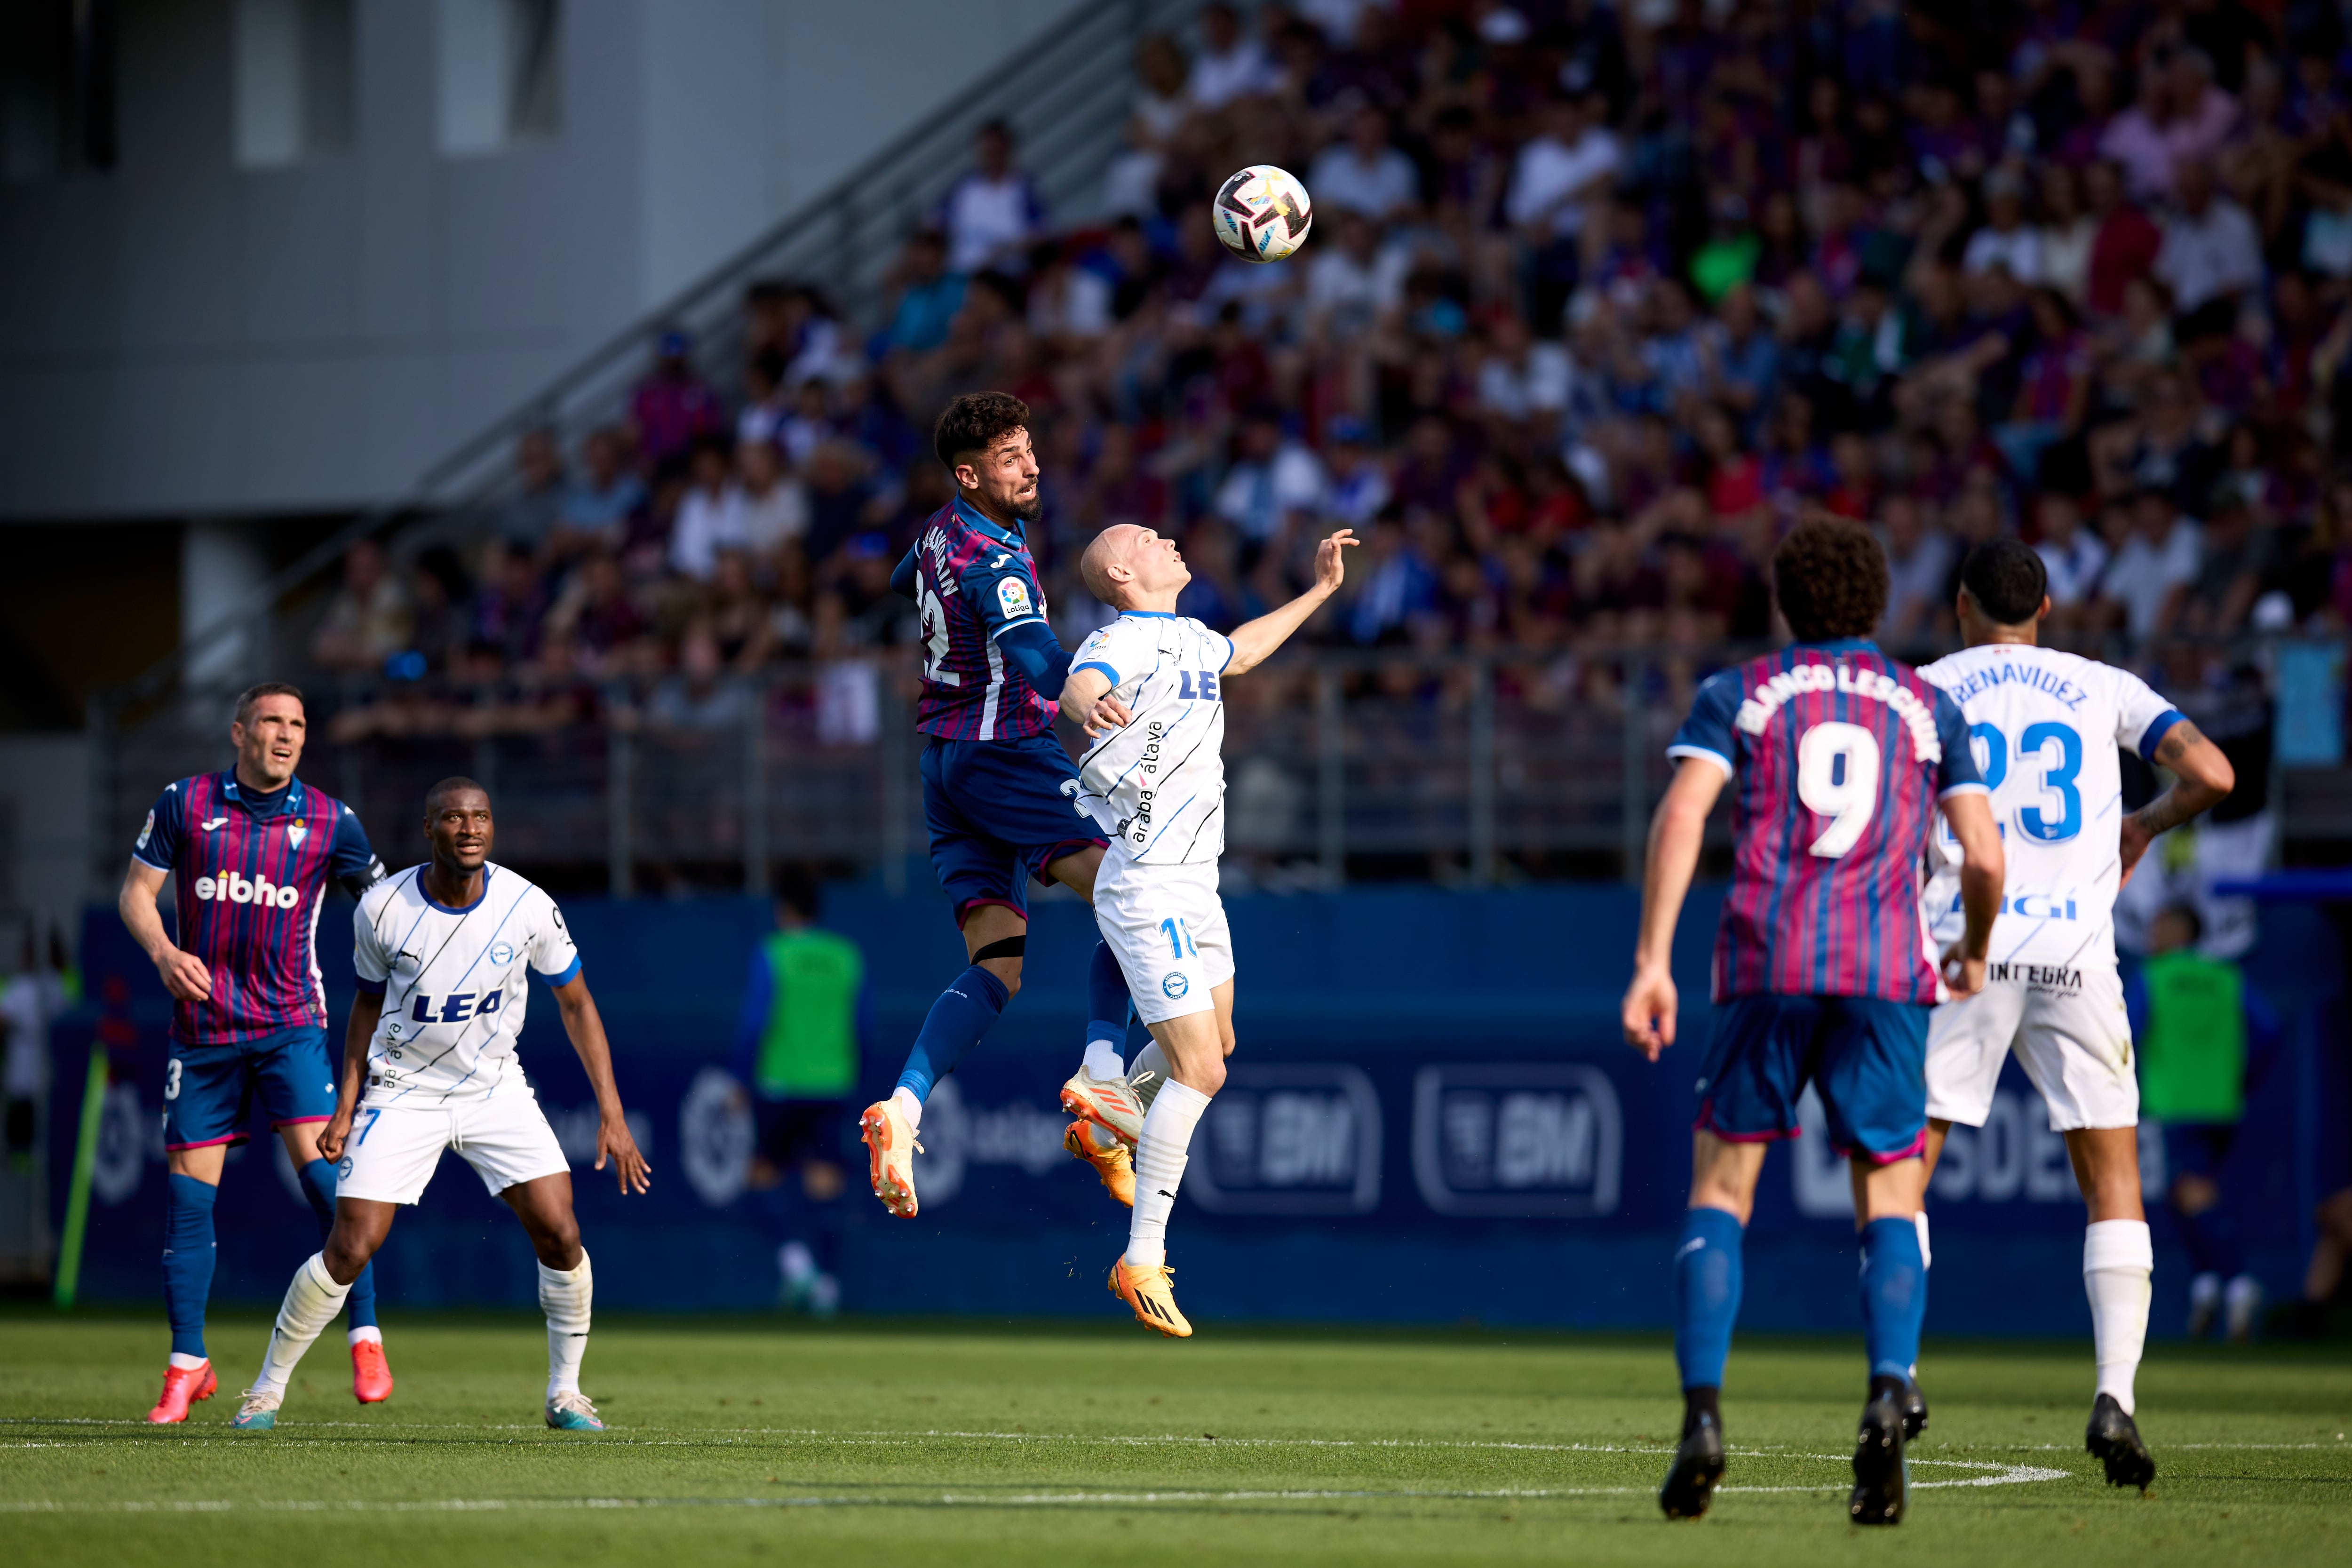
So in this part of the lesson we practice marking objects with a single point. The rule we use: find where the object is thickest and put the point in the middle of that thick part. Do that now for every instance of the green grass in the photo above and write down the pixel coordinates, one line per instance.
(738, 1441)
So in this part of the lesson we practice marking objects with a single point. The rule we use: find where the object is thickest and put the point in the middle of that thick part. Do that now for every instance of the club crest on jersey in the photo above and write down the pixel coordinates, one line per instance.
(1174, 987)
(1013, 598)
(296, 833)
(501, 954)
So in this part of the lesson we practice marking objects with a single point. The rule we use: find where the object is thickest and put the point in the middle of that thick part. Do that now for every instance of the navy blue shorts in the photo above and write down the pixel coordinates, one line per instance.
(208, 1090)
(2198, 1148)
(1867, 1057)
(998, 817)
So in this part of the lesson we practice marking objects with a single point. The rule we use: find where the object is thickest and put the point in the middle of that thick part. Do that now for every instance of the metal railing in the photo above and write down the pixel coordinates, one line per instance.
(1066, 93)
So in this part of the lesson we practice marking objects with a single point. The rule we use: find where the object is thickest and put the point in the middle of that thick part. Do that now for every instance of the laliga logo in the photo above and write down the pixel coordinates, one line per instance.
(237, 889)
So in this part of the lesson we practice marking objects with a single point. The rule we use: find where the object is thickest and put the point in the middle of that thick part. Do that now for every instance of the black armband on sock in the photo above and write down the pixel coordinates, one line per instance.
(1009, 947)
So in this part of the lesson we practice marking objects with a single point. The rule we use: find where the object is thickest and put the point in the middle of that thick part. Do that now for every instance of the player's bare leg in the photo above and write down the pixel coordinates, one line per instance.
(1887, 1199)
(566, 1284)
(1110, 1111)
(1195, 1045)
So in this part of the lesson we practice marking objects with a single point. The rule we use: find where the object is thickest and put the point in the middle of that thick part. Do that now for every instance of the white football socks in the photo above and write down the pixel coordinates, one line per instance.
(563, 1297)
(311, 1303)
(1159, 1156)
(2118, 1260)
(1103, 1059)
(360, 1336)
(1147, 1073)
(908, 1106)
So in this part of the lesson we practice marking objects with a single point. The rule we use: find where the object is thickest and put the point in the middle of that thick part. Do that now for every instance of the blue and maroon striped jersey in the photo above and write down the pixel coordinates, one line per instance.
(973, 580)
(249, 876)
(1838, 756)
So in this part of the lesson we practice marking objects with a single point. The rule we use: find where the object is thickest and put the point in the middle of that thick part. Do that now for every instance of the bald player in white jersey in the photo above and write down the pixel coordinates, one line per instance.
(2047, 727)
(1157, 786)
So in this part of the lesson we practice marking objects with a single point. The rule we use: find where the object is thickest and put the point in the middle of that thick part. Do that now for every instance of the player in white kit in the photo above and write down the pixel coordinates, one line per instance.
(444, 951)
(1157, 786)
(2047, 726)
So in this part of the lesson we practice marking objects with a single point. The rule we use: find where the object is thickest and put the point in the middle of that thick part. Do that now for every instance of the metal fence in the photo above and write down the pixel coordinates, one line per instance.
(1454, 767)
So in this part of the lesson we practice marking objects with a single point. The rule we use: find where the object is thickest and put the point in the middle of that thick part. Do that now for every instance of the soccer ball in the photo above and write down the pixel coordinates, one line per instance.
(1262, 213)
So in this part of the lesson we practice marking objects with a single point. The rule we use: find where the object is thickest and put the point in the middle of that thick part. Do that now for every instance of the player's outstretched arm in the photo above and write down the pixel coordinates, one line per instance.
(1087, 703)
(365, 1011)
(586, 1027)
(2203, 779)
(1970, 813)
(184, 975)
(1676, 832)
(1254, 641)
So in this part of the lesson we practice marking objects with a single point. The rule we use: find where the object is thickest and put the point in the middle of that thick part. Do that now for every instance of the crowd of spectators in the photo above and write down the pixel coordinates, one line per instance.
(1600, 298)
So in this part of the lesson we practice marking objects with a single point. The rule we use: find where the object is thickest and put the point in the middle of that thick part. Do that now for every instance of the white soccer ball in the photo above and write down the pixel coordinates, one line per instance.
(1262, 213)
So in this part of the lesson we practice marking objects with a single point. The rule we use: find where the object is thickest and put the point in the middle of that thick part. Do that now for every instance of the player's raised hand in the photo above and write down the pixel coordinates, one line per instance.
(615, 1142)
(187, 977)
(1649, 1011)
(1330, 564)
(1108, 713)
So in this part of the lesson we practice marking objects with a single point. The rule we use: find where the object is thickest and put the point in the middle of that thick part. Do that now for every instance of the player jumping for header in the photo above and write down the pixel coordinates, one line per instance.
(443, 953)
(2049, 725)
(250, 852)
(994, 792)
(1156, 782)
(1822, 970)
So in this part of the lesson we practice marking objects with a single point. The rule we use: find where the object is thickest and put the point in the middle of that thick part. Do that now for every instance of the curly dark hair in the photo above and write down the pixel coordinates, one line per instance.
(1829, 577)
(2007, 579)
(974, 422)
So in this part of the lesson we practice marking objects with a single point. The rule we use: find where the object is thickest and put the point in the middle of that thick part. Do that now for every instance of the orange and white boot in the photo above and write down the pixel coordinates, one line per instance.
(183, 1386)
(370, 1373)
(1114, 1165)
(1152, 1297)
(889, 1139)
(1108, 1102)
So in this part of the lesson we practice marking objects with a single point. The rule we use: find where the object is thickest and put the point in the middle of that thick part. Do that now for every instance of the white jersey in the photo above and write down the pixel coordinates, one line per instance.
(1157, 786)
(2047, 726)
(453, 983)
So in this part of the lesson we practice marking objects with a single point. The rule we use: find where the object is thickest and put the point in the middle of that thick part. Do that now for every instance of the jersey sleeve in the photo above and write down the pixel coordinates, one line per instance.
(1707, 732)
(351, 861)
(1957, 773)
(158, 845)
(1114, 651)
(552, 954)
(2143, 719)
(1002, 591)
(370, 961)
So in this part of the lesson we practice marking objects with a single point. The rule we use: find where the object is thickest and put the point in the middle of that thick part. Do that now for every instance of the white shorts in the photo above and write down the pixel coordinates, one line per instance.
(393, 1149)
(2070, 1032)
(1168, 927)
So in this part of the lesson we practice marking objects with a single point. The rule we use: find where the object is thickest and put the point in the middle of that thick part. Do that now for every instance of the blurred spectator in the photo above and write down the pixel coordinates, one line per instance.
(2149, 576)
(597, 509)
(990, 215)
(2211, 254)
(711, 517)
(775, 506)
(1272, 481)
(1365, 173)
(2071, 553)
(696, 697)
(927, 295)
(674, 405)
(530, 516)
(1231, 65)
(369, 618)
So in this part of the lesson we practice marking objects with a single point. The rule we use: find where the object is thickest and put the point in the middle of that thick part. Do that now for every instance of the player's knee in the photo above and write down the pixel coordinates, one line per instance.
(1007, 972)
(348, 1249)
(1209, 1075)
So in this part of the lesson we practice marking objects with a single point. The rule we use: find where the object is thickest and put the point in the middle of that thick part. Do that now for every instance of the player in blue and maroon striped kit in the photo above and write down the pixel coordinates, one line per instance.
(1840, 757)
(999, 792)
(250, 852)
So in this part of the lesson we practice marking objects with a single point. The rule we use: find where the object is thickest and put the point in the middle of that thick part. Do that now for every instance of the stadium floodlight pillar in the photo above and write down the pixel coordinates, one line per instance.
(1331, 778)
(1634, 819)
(620, 852)
(755, 787)
(1482, 774)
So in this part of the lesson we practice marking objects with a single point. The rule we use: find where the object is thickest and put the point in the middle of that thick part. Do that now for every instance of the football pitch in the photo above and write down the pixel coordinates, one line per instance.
(744, 1441)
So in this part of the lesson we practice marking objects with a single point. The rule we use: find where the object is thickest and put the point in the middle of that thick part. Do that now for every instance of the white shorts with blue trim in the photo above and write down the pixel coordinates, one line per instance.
(2067, 1026)
(394, 1150)
(1168, 928)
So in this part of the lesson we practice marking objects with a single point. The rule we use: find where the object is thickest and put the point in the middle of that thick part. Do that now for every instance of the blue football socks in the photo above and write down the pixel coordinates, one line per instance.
(1108, 1010)
(319, 1186)
(964, 1012)
(1707, 1295)
(187, 1259)
(1893, 1295)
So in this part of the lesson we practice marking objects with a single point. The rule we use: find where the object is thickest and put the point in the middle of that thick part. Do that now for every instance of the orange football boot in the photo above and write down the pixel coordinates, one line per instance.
(891, 1141)
(370, 1374)
(182, 1385)
(1115, 1166)
(1146, 1290)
